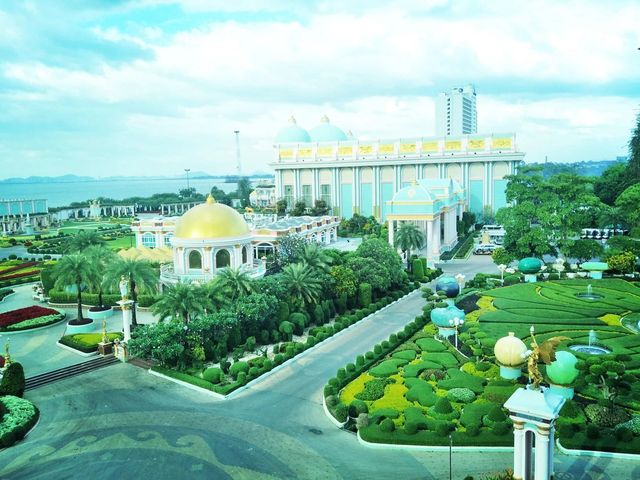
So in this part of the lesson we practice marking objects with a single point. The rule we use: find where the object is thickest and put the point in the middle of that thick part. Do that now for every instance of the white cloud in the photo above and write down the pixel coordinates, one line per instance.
(372, 67)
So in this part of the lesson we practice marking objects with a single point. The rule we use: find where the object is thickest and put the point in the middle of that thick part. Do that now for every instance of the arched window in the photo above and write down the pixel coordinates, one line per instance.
(245, 255)
(195, 260)
(167, 239)
(223, 259)
(262, 250)
(148, 240)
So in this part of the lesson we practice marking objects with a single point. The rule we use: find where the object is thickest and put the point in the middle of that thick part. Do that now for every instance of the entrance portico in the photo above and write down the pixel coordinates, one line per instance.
(434, 206)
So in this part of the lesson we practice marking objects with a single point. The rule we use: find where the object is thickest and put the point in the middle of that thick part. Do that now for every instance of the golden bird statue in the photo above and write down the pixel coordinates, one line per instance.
(546, 351)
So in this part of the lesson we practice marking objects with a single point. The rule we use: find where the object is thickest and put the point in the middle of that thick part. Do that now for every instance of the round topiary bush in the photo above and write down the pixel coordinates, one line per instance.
(362, 421)
(341, 412)
(411, 428)
(334, 382)
(331, 400)
(442, 429)
(212, 375)
(341, 374)
(462, 395)
(242, 378)
(496, 414)
(357, 407)
(360, 360)
(237, 368)
(443, 406)
(377, 349)
(387, 425)
(500, 428)
(370, 355)
(329, 391)
(278, 359)
(350, 367)
(253, 372)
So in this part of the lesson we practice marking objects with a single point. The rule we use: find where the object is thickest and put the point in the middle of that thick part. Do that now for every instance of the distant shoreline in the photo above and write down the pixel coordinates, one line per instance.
(230, 178)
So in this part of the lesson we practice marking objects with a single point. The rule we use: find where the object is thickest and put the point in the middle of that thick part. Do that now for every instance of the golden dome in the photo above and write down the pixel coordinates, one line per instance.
(509, 351)
(211, 220)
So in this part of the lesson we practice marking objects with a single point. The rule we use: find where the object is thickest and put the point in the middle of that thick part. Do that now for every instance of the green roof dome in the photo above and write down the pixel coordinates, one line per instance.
(530, 265)
(563, 370)
(325, 132)
(441, 316)
(292, 133)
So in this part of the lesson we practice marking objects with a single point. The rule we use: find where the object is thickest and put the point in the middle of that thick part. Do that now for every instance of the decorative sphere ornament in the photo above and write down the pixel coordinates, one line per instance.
(510, 351)
(530, 265)
(441, 316)
(563, 370)
(449, 286)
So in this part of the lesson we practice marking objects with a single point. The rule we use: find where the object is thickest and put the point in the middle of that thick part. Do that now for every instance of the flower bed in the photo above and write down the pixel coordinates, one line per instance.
(20, 416)
(29, 317)
(87, 342)
(5, 292)
(15, 268)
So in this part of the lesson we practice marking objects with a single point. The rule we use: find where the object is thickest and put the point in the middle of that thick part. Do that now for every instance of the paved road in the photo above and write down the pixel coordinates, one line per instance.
(129, 424)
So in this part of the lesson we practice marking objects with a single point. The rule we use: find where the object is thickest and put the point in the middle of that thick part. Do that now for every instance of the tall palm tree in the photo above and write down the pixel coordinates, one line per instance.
(409, 237)
(316, 257)
(83, 240)
(302, 283)
(180, 301)
(236, 281)
(99, 257)
(215, 294)
(141, 274)
(75, 270)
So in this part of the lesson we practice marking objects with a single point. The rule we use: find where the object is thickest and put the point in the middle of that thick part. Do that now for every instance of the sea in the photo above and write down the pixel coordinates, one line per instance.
(60, 194)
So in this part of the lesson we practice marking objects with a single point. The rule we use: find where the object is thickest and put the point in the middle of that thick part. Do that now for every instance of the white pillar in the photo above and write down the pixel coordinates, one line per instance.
(125, 305)
(518, 451)
(550, 453)
(430, 240)
(435, 235)
(391, 233)
(542, 456)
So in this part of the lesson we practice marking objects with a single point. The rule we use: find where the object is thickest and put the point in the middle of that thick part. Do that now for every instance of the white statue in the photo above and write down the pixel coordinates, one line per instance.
(124, 287)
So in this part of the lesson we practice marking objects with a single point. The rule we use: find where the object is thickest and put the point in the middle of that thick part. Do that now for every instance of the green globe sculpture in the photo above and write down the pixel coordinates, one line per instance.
(529, 265)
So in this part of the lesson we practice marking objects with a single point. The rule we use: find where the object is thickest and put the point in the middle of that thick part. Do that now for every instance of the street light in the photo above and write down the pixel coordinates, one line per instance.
(187, 170)
(456, 323)
(460, 279)
(502, 268)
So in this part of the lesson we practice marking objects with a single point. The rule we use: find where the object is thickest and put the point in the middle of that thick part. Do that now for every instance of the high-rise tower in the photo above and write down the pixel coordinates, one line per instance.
(456, 112)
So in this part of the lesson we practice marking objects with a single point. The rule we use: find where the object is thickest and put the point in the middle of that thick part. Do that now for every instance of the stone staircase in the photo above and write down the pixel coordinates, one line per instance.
(70, 371)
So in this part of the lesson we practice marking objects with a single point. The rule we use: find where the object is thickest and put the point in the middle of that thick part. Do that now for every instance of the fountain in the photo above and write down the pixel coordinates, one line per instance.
(589, 295)
(591, 348)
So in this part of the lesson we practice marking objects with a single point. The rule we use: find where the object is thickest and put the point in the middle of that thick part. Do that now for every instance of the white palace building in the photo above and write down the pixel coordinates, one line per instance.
(358, 176)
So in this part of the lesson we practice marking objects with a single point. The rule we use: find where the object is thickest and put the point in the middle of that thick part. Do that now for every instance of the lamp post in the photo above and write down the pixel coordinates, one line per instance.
(502, 268)
(187, 170)
(460, 279)
(456, 323)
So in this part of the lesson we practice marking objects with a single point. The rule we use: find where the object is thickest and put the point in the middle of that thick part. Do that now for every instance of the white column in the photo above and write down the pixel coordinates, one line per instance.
(518, 451)
(550, 453)
(391, 233)
(125, 305)
(542, 456)
(430, 240)
(436, 237)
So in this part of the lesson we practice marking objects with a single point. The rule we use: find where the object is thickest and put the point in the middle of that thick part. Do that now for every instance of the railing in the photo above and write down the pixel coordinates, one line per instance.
(168, 275)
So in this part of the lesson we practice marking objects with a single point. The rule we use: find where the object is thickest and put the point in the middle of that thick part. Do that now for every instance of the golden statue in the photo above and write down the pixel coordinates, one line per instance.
(545, 351)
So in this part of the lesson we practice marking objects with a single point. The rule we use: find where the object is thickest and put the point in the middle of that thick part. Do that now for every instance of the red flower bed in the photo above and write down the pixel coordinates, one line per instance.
(22, 314)
(28, 273)
(18, 267)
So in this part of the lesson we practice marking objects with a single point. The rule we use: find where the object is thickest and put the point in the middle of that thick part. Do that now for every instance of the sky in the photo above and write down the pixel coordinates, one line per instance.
(151, 87)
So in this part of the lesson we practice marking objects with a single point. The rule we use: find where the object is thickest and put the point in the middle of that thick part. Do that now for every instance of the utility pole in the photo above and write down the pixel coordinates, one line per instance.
(239, 166)
(187, 170)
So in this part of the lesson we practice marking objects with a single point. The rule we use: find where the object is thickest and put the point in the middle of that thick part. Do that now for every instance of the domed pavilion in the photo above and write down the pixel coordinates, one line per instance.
(209, 237)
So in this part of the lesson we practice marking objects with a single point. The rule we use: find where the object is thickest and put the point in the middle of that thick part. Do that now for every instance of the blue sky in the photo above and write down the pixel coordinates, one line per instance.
(105, 87)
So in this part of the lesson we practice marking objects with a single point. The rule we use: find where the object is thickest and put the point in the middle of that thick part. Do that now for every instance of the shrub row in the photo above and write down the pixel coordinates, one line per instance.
(20, 415)
(87, 342)
(57, 296)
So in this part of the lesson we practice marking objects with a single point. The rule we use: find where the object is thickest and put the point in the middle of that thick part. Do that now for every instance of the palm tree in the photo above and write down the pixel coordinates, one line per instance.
(75, 270)
(215, 294)
(317, 258)
(180, 301)
(140, 273)
(84, 239)
(409, 237)
(99, 257)
(236, 281)
(302, 283)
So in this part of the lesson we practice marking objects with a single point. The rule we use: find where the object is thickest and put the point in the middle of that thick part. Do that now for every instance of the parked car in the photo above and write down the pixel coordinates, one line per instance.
(484, 248)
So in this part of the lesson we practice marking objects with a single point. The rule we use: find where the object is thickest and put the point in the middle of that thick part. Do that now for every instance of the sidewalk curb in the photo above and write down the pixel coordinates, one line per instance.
(596, 453)
(77, 352)
(188, 385)
(427, 448)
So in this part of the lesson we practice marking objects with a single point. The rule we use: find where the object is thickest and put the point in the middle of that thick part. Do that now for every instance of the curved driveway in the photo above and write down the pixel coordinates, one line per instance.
(121, 422)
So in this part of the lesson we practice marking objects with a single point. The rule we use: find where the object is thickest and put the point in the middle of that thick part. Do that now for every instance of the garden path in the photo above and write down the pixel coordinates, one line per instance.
(129, 424)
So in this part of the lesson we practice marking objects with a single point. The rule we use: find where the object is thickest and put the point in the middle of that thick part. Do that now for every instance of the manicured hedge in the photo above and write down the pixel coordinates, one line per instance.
(56, 296)
(20, 416)
(87, 342)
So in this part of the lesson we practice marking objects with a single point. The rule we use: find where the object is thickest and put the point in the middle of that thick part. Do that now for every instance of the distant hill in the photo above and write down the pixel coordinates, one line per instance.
(590, 168)
(77, 178)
